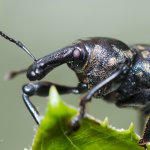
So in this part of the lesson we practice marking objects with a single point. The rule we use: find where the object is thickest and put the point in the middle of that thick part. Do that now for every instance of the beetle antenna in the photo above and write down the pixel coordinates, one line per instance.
(12, 74)
(18, 43)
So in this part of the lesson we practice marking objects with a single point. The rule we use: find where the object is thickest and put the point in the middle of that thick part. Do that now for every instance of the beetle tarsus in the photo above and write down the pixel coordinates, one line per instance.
(75, 123)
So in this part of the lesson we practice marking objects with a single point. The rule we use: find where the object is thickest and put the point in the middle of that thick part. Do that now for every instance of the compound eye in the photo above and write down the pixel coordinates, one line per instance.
(77, 54)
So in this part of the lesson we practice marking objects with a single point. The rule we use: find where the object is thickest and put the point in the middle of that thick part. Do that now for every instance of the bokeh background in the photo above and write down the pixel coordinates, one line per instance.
(45, 26)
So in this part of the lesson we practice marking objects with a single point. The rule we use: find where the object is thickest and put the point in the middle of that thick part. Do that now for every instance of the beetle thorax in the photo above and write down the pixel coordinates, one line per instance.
(101, 63)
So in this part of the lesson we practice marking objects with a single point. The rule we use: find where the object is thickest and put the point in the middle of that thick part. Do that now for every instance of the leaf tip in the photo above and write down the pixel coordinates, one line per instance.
(54, 98)
(131, 127)
(105, 122)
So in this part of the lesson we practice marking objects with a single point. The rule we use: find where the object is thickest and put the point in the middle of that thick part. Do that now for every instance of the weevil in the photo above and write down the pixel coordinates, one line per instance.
(105, 67)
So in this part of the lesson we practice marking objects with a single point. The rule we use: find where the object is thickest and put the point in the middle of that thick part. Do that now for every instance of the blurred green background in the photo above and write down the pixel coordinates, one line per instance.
(45, 26)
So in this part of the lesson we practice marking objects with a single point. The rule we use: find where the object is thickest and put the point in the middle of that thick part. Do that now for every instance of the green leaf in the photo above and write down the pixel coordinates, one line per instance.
(93, 134)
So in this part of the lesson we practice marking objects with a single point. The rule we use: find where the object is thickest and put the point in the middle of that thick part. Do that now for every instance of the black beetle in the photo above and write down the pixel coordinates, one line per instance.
(105, 67)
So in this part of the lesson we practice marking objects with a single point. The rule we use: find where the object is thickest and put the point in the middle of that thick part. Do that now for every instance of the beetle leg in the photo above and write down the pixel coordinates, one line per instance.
(87, 97)
(32, 109)
(42, 89)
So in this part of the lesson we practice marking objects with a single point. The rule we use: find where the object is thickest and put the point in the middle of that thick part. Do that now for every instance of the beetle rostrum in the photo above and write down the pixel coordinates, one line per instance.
(106, 68)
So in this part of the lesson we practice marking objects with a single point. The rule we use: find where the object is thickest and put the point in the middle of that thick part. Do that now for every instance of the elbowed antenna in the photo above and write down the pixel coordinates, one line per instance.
(18, 43)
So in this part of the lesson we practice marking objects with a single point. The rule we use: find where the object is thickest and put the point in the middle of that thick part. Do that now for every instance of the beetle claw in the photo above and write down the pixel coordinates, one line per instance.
(74, 124)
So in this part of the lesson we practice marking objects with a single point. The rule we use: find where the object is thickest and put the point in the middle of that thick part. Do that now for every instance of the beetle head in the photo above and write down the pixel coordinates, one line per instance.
(74, 56)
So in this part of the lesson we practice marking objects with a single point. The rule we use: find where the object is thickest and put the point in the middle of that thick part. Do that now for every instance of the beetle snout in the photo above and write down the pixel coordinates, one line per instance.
(35, 72)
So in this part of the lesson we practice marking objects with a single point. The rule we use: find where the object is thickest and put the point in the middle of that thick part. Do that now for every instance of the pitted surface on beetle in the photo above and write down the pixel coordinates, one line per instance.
(146, 67)
(112, 61)
(96, 71)
(142, 65)
(139, 74)
(143, 49)
(130, 53)
(140, 47)
(138, 77)
(145, 54)
(102, 61)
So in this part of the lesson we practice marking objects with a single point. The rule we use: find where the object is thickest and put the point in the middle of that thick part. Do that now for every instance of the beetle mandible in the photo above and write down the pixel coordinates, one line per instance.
(105, 67)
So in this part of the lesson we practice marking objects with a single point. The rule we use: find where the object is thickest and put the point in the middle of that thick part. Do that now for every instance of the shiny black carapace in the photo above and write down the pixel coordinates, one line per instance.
(105, 68)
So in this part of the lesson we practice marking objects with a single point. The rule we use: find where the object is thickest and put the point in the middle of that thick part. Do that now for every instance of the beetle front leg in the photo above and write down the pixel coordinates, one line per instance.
(42, 89)
(32, 109)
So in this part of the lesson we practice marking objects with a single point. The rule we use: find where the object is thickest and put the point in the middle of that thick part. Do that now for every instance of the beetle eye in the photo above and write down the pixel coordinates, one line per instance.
(78, 54)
